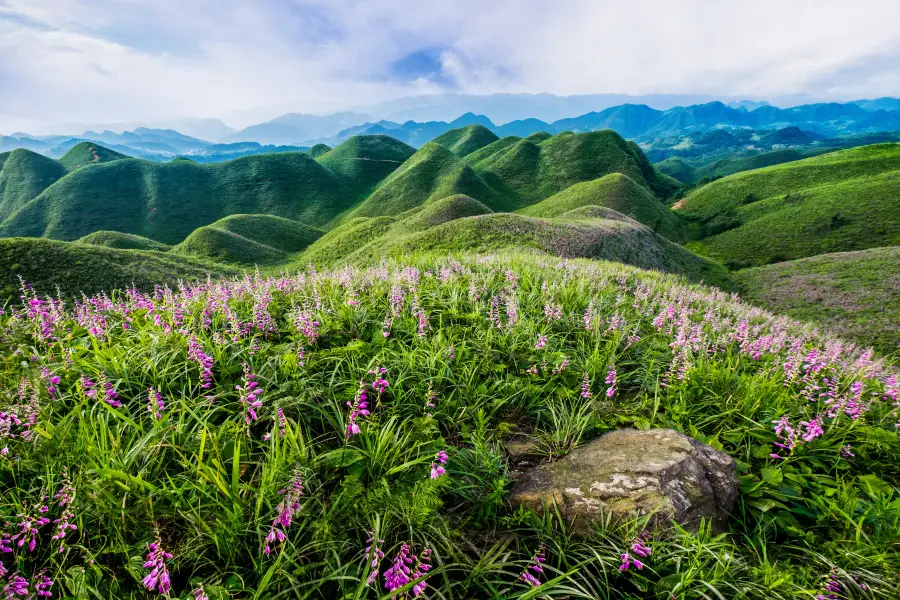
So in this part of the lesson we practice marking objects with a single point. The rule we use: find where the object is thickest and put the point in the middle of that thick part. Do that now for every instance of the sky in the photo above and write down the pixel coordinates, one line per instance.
(246, 61)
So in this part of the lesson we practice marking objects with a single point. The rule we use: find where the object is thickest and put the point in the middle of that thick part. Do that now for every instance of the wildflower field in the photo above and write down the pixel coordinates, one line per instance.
(341, 434)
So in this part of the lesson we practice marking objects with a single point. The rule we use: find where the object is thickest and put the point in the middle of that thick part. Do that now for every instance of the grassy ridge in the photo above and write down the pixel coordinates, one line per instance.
(853, 294)
(23, 175)
(249, 240)
(730, 192)
(433, 172)
(619, 241)
(122, 241)
(618, 192)
(74, 269)
(467, 140)
(84, 154)
(851, 215)
(165, 202)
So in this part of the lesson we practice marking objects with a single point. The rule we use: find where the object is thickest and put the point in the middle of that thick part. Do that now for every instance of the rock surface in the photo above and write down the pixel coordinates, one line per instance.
(629, 473)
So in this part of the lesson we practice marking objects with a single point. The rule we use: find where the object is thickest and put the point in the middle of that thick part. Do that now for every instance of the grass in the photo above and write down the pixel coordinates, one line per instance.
(618, 192)
(166, 202)
(23, 175)
(467, 140)
(854, 214)
(855, 295)
(249, 240)
(72, 269)
(679, 169)
(720, 196)
(122, 241)
(85, 154)
(201, 475)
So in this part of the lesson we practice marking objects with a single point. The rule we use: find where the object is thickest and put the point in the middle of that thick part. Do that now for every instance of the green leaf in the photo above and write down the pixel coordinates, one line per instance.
(773, 476)
(874, 486)
(341, 458)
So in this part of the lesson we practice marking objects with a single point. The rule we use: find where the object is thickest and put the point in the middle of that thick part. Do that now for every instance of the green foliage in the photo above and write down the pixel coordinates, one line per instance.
(318, 150)
(618, 192)
(122, 241)
(249, 240)
(205, 477)
(75, 268)
(853, 294)
(467, 140)
(84, 154)
(679, 169)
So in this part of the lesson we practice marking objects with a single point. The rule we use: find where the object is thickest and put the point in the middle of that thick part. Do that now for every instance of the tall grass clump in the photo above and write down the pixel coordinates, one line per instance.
(341, 434)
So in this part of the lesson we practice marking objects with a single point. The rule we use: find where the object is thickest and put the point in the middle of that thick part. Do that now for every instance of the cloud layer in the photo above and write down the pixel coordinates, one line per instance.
(119, 60)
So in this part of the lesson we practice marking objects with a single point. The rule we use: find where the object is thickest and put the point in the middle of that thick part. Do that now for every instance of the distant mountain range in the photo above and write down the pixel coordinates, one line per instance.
(638, 122)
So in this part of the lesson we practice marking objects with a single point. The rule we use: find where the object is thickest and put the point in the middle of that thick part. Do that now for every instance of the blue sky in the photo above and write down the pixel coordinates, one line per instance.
(95, 61)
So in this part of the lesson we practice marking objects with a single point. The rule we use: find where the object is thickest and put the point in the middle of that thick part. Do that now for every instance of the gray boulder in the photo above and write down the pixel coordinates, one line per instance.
(629, 473)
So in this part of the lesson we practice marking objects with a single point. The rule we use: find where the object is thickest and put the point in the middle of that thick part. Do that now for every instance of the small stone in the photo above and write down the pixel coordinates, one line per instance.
(630, 473)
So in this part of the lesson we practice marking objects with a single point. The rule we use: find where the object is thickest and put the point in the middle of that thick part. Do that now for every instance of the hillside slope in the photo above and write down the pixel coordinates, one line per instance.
(530, 170)
(248, 240)
(122, 241)
(853, 294)
(165, 202)
(432, 172)
(618, 192)
(73, 269)
(23, 175)
(730, 192)
(364, 160)
(854, 214)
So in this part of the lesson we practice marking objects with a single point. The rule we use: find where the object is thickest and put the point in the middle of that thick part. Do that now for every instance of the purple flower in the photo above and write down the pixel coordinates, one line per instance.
(358, 408)
(200, 594)
(204, 361)
(534, 565)
(407, 567)
(436, 466)
(65, 498)
(155, 404)
(611, 381)
(249, 395)
(541, 343)
(585, 386)
(158, 578)
(289, 505)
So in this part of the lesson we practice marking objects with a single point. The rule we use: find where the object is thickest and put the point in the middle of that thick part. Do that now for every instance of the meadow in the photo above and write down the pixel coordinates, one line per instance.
(343, 433)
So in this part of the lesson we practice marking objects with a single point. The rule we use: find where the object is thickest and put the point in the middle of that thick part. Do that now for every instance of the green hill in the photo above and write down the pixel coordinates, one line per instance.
(88, 153)
(679, 169)
(432, 172)
(75, 268)
(528, 171)
(622, 241)
(23, 175)
(491, 149)
(249, 240)
(854, 214)
(166, 202)
(122, 241)
(730, 166)
(618, 192)
(318, 150)
(730, 192)
(854, 294)
(364, 160)
(462, 142)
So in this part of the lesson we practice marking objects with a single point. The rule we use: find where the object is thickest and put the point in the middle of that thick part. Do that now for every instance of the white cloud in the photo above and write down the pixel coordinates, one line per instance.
(114, 60)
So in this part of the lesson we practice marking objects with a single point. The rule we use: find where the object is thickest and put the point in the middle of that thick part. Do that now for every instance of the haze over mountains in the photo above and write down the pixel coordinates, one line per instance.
(640, 122)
